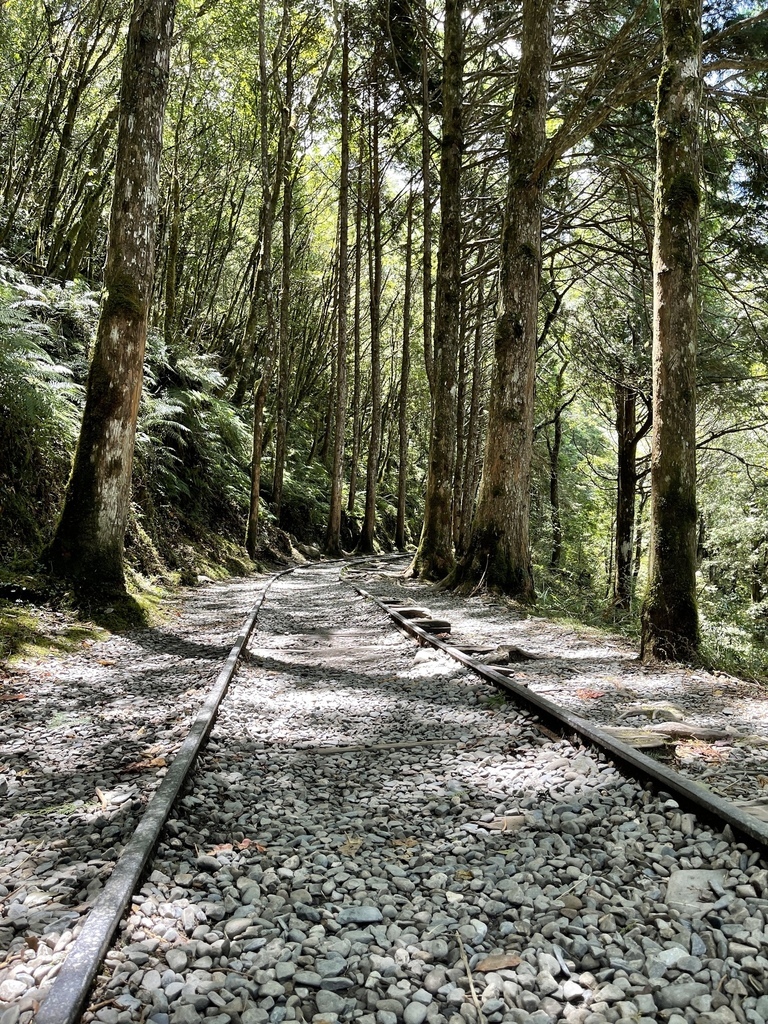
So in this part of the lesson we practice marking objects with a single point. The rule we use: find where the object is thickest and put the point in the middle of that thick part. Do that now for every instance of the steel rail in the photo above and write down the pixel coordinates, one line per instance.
(634, 762)
(67, 996)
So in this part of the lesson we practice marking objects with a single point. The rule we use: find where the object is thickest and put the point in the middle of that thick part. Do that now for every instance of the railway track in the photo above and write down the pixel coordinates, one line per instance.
(370, 833)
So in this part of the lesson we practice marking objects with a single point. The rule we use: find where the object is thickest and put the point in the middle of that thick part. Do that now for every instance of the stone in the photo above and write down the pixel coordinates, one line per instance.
(309, 978)
(415, 1013)
(177, 960)
(688, 889)
(359, 915)
(329, 1002)
(679, 995)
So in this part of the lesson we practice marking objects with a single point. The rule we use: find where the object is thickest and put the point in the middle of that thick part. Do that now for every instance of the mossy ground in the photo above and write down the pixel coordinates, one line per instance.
(30, 632)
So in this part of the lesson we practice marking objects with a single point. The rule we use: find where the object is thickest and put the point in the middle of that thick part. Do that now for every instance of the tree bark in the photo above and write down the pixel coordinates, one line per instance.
(366, 544)
(426, 184)
(263, 285)
(356, 382)
(499, 547)
(333, 532)
(284, 330)
(670, 629)
(472, 457)
(405, 369)
(88, 544)
(626, 484)
(459, 467)
(556, 554)
(434, 557)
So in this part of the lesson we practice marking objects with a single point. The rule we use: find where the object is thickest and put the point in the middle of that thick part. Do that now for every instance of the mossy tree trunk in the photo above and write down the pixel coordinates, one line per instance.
(434, 557)
(498, 552)
(89, 540)
(670, 628)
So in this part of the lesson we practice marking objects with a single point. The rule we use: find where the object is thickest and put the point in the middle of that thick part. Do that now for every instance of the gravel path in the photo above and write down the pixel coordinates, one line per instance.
(600, 678)
(83, 743)
(372, 836)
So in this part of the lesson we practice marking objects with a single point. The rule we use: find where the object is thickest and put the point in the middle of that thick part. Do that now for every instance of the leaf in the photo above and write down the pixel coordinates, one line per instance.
(221, 848)
(498, 962)
(140, 766)
(508, 823)
(106, 661)
(587, 694)
(350, 847)
(462, 875)
(244, 844)
(13, 696)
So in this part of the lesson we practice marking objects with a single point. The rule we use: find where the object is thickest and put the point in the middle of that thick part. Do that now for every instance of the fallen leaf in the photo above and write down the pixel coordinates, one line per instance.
(409, 842)
(140, 766)
(106, 661)
(13, 696)
(101, 797)
(505, 824)
(498, 962)
(462, 875)
(351, 845)
(221, 848)
(587, 694)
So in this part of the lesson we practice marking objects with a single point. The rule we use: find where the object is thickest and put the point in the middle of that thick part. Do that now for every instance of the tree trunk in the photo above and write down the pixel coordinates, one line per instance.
(284, 330)
(356, 385)
(333, 532)
(366, 543)
(89, 540)
(426, 184)
(670, 627)
(499, 547)
(626, 483)
(556, 553)
(434, 558)
(172, 263)
(473, 429)
(459, 467)
(405, 369)
(263, 286)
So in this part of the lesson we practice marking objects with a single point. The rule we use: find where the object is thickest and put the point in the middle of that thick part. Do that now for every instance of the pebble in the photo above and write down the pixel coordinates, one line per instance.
(300, 886)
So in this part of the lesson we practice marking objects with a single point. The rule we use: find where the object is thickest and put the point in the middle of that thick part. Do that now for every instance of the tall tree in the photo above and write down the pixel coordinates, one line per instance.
(434, 557)
(333, 532)
(367, 544)
(499, 548)
(263, 292)
(405, 369)
(670, 618)
(89, 540)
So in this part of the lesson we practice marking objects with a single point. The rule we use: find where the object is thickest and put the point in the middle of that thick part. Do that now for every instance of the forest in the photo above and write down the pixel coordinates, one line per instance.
(484, 282)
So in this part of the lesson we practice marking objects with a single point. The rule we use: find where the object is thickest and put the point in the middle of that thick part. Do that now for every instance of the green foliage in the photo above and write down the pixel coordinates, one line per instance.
(39, 411)
(192, 449)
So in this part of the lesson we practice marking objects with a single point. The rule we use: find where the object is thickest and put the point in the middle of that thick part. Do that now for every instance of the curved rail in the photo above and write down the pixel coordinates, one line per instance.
(66, 999)
(637, 764)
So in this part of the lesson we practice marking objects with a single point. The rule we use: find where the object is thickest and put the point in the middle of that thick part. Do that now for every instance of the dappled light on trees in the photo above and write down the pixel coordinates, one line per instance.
(401, 296)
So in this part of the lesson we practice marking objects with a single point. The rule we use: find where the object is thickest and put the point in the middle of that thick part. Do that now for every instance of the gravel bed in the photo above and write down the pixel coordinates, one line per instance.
(372, 836)
(600, 678)
(82, 748)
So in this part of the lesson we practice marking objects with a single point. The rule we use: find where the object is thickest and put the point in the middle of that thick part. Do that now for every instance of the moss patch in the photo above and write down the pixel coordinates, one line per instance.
(35, 633)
